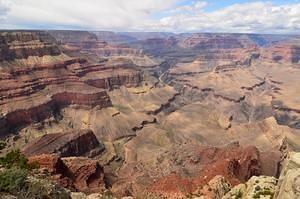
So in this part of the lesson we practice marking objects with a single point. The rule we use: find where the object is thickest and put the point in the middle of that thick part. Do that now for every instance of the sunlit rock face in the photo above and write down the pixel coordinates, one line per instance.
(152, 113)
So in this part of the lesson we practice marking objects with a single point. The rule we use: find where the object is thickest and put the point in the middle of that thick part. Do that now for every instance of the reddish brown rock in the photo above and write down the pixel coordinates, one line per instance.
(235, 163)
(79, 174)
(284, 52)
(36, 88)
(75, 143)
(51, 162)
(173, 186)
(87, 175)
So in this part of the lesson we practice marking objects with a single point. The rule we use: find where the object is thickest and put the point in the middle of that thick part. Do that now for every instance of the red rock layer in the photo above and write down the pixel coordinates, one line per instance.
(235, 163)
(78, 174)
(51, 162)
(34, 92)
(87, 174)
(76, 143)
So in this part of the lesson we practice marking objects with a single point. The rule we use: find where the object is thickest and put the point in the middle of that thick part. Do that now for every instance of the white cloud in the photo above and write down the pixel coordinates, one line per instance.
(90, 14)
(261, 16)
(4, 8)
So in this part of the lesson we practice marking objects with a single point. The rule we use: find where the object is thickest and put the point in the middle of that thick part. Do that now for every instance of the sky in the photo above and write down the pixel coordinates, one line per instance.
(240, 16)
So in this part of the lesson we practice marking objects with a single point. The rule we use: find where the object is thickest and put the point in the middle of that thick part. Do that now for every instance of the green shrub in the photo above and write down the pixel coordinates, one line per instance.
(16, 159)
(14, 175)
(12, 180)
(264, 193)
(257, 188)
(239, 195)
(2, 145)
(42, 190)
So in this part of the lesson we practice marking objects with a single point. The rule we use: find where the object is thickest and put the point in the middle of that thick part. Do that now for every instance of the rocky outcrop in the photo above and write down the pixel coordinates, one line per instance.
(287, 186)
(87, 174)
(75, 173)
(76, 143)
(289, 179)
(22, 44)
(284, 52)
(215, 188)
(201, 164)
(52, 162)
(256, 187)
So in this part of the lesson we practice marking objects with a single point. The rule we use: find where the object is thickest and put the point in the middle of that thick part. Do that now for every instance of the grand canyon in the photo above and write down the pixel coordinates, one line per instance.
(153, 115)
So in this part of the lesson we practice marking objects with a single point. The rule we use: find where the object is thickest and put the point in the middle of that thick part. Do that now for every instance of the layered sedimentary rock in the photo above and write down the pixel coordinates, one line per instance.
(35, 90)
(52, 162)
(22, 44)
(76, 143)
(87, 42)
(165, 117)
(87, 174)
(214, 41)
(284, 52)
(76, 173)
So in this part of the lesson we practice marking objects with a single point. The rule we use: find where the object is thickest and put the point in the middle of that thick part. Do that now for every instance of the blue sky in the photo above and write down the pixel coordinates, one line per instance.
(277, 16)
(219, 4)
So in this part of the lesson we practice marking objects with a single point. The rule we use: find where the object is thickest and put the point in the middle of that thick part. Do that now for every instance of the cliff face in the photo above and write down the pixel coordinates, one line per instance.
(87, 42)
(21, 45)
(65, 144)
(284, 52)
(31, 93)
(166, 118)
(76, 173)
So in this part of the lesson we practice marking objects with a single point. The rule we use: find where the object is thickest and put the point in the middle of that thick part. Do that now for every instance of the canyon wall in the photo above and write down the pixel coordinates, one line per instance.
(31, 93)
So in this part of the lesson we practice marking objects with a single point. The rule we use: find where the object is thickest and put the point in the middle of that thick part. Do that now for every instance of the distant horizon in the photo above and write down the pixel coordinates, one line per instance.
(176, 16)
(174, 33)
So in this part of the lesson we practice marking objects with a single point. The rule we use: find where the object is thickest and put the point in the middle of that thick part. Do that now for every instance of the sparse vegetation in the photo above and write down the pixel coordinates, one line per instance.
(2, 145)
(122, 108)
(239, 195)
(257, 188)
(16, 159)
(264, 192)
(15, 170)
(12, 180)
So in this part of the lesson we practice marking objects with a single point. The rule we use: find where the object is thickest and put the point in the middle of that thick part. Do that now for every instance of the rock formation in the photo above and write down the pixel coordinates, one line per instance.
(76, 143)
(76, 173)
(40, 89)
(21, 45)
(289, 180)
(284, 52)
(84, 41)
(157, 114)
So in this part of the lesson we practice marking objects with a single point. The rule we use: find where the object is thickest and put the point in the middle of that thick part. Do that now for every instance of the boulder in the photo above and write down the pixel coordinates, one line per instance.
(256, 187)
